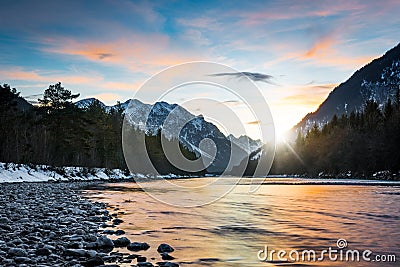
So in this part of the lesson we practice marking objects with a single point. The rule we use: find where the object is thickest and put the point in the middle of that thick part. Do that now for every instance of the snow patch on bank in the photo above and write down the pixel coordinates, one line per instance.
(13, 173)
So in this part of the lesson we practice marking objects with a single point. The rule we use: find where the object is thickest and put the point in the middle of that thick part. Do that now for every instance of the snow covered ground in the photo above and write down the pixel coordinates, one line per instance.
(12, 173)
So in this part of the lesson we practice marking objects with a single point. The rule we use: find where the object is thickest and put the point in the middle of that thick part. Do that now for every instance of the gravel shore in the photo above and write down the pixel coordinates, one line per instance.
(52, 224)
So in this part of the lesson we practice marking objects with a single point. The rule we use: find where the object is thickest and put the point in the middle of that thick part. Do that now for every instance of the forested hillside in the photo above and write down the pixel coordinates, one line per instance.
(358, 144)
(59, 133)
(377, 80)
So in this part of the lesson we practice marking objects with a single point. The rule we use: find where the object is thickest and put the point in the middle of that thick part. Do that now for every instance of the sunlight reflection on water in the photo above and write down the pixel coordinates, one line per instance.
(286, 216)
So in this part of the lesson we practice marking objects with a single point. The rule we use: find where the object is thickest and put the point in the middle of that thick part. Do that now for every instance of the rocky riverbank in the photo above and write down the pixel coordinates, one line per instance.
(52, 224)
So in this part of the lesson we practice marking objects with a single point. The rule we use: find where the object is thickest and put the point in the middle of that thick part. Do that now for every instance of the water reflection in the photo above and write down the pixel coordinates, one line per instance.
(232, 230)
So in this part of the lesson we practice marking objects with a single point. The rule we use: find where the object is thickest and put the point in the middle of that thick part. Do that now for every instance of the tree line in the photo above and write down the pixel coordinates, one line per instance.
(361, 142)
(58, 133)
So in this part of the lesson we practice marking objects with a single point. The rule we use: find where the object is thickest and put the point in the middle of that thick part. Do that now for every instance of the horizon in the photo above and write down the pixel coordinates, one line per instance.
(297, 53)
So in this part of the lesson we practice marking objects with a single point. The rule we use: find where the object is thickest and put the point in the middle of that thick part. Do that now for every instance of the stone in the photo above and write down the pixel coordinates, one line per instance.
(75, 245)
(117, 221)
(22, 260)
(75, 252)
(171, 264)
(4, 220)
(91, 245)
(94, 261)
(91, 253)
(5, 227)
(166, 256)
(108, 232)
(104, 242)
(141, 259)
(121, 242)
(18, 252)
(119, 232)
(137, 246)
(43, 252)
(49, 247)
(165, 248)
(132, 256)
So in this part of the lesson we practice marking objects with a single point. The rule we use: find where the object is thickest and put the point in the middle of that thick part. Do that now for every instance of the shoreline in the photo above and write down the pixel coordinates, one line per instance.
(55, 224)
(17, 173)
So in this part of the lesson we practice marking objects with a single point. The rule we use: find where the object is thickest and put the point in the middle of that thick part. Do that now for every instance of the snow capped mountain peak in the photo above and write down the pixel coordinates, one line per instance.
(246, 143)
(174, 121)
(85, 103)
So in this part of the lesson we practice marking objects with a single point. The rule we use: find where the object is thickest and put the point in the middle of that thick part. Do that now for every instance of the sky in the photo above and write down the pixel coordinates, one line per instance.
(108, 49)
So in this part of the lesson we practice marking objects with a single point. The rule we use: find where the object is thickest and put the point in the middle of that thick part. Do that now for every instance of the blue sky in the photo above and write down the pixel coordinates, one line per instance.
(107, 49)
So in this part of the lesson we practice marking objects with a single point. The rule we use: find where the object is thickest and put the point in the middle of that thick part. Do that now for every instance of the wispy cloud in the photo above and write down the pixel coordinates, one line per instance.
(255, 76)
(140, 53)
(310, 95)
(20, 74)
(327, 51)
(104, 55)
(289, 10)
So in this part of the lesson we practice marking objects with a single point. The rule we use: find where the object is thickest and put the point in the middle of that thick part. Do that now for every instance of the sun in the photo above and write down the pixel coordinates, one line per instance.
(282, 132)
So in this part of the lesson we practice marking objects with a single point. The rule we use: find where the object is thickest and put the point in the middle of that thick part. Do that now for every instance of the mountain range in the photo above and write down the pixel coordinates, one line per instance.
(176, 122)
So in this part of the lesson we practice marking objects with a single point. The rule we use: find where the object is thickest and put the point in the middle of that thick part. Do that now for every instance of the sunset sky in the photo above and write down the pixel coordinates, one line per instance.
(107, 49)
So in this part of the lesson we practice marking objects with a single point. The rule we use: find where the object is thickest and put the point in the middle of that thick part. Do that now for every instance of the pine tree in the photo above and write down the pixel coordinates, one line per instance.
(388, 110)
(57, 97)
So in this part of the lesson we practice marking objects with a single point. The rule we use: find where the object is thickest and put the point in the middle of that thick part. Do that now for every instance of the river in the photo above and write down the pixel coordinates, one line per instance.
(287, 214)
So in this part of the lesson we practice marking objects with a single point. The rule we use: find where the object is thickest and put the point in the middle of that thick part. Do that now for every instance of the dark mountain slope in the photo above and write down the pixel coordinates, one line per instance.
(352, 94)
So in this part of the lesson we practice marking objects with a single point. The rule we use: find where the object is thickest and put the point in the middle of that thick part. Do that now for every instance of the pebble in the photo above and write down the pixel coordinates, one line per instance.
(137, 246)
(121, 242)
(166, 256)
(53, 224)
(17, 252)
(165, 248)
(141, 259)
(104, 242)
(170, 264)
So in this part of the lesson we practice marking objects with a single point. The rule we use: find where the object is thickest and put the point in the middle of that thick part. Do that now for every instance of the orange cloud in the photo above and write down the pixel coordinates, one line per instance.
(309, 96)
(324, 52)
(146, 54)
(297, 9)
(303, 99)
(321, 47)
(19, 74)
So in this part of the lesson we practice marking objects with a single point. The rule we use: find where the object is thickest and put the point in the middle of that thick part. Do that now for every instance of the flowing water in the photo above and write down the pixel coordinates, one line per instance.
(283, 214)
